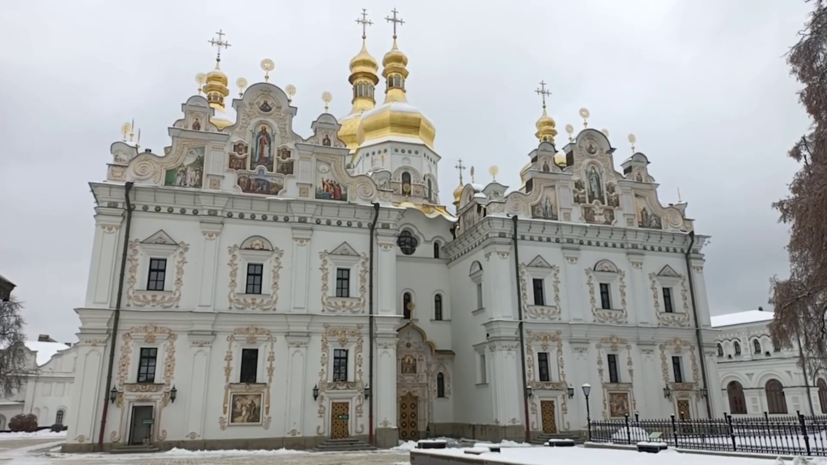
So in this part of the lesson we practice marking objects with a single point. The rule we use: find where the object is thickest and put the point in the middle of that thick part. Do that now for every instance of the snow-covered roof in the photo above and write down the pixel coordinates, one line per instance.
(740, 318)
(45, 350)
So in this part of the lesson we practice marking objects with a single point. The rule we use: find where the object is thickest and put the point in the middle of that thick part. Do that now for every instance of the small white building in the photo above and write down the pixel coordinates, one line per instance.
(47, 392)
(758, 376)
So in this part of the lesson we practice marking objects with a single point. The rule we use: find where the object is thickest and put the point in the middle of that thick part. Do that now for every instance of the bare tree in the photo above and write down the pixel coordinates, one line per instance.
(13, 362)
(801, 300)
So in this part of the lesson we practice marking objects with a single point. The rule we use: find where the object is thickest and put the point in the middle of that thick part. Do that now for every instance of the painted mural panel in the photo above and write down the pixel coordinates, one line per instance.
(328, 188)
(284, 164)
(260, 183)
(595, 185)
(645, 217)
(246, 409)
(618, 404)
(191, 171)
(263, 152)
(546, 207)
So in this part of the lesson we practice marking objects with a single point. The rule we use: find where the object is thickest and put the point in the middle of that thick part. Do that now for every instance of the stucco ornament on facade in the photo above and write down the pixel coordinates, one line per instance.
(541, 312)
(161, 299)
(343, 304)
(545, 340)
(250, 335)
(678, 346)
(671, 319)
(601, 315)
(614, 345)
(253, 302)
(342, 335)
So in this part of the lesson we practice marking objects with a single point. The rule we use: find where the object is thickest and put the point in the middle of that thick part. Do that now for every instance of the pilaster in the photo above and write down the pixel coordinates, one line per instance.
(575, 288)
(701, 300)
(386, 273)
(386, 401)
(645, 313)
(300, 275)
(296, 384)
(86, 389)
(105, 256)
(506, 373)
(648, 390)
(210, 232)
(716, 396)
(582, 371)
(501, 303)
(200, 351)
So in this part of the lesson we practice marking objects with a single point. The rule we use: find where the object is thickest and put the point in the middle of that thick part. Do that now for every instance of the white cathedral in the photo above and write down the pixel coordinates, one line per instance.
(253, 287)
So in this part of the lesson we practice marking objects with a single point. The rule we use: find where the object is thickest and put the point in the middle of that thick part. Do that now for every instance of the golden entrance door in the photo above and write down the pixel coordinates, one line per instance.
(683, 409)
(339, 420)
(547, 412)
(408, 418)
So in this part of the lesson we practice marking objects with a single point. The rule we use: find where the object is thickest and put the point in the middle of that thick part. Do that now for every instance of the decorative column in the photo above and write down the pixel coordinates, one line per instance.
(501, 302)
(386, 275)
(581, 372)
(716, 395)
(210, 230)
(300, 275)
(649, 388)
(385, 399)
(84, 418)
(199, 375)
(700, 292)
(105, 257)
(644, 314)
(297, 388)
(578, 308)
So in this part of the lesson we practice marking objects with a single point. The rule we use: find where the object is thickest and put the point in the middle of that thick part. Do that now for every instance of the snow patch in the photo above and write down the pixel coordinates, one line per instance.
(42, 434)
(622, 435)
(230, 452)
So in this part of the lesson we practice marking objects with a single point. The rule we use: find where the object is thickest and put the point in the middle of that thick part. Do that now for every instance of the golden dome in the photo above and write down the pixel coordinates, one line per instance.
(216, 90)
(364, 63)
(396, 117)
(524, 171)
(458, 194)
(546, 128)
(364, 77)
(560, 158)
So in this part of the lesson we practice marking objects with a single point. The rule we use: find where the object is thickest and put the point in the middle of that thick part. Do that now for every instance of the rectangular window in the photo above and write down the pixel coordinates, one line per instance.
(479, 295)
(254, 274)
(342, 282)
(542, 360)
(157, 274)
(146, 365)
(613, 373)
(249, 366)
(605, 296)
(677, 369)
(667, 300)
(483, 374)
(340, 365)
(539, 296)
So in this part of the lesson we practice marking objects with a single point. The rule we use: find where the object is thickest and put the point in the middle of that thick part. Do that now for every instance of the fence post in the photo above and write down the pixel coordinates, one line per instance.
(804, 431)
(675, 431)
(731, 431)
(628, 431)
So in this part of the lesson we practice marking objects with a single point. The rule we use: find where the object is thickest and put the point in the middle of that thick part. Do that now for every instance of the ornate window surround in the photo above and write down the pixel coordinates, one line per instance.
(158, 245)
(606, 272)
(344, 256)
(678, 347)
(255, 249)
(668, 277)
(248, 337)
(539, 268)
(619, 346)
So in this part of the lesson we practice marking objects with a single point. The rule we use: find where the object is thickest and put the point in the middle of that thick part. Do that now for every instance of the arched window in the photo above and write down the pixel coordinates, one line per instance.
(737, 347)
(756, 347)
(440, 385)
(720, 350)
(436, 249)
(407, 305)
(776, 400)
(737, 402)
(59, 417)
(406, 183)
(822, 395)
(430, 191)
(407, 242)
(438, 307)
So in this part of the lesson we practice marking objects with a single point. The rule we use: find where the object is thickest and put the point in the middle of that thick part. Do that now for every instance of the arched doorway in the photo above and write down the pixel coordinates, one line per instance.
(414, 369)
(737, 402)
(776, 400)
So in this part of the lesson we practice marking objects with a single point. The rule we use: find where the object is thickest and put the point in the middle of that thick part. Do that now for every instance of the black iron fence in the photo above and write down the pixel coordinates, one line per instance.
(787, 435)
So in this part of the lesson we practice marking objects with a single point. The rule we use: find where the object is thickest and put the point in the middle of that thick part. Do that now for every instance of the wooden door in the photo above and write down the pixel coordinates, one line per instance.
(141, 426)
(408, 418)
(547, 412)
(339, 420)
(683, 409)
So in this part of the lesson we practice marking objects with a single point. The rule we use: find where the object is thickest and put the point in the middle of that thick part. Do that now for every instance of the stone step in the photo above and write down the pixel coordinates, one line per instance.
(343, 445)
(138, 449)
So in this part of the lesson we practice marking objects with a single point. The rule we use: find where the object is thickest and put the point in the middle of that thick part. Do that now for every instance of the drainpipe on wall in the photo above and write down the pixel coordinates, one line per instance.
(520, 329)
(370, 327)
(698, 336)
(128, 203)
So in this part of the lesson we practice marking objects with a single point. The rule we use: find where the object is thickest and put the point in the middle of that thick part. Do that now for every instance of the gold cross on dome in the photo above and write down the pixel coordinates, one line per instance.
(460, 167)
(543, 92)
(395, 21)
(364, 21)
(219, 43)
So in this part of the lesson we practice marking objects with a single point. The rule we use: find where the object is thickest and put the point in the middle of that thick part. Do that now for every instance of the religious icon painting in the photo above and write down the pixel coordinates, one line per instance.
(608, 216)
(260, 184)
(285, 167)
(326, 140)
(618, 404)
(327, 188)
(196, 124)
(595, 185)
(240, 148)
(237, 163)
(263, 153)
(265, 106)
(645, 217)
(408, 365)
(246, 409)
(546, 207)
(284, 153)
(191, 171)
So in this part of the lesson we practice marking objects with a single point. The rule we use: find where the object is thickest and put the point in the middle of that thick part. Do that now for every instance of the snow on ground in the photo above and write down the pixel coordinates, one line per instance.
(590, 456)
(42, 434)
(229, 453)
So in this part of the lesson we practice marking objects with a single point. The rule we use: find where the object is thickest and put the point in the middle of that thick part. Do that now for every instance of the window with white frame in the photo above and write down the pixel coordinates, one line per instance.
(669, 281)
(605, 296)
(543, 367)
(157, 274)
(483, 369)
(677, 368)
(147, 360)
(249, 366)
(476, 278)
(668, 306)
(256, 256)
(343, 279)
(614, 373)
(342, 282)
(539, 291)
(255, 273)
(607, 282)
(340, 362)
(438, 307)
(158, 251)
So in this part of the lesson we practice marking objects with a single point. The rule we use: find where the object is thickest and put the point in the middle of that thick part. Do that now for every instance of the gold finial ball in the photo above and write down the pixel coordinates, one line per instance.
(125, 128)
(584, 113)
(241, 83)
(632, 138)
(267, 65)
(326, 97)
(493, 171)
(200, 78)
(605, 132)
(570, 129)
(291, 90)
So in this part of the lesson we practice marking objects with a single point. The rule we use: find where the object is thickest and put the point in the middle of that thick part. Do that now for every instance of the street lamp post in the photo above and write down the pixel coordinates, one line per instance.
(587, 388)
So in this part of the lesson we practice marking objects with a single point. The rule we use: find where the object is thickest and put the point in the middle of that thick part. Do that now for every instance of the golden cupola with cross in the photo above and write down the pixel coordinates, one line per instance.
(364, 76)
(215, 86)
(395, 119)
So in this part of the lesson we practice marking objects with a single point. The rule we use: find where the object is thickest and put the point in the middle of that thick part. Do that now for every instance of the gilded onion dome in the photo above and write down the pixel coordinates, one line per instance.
(364, 75)
(216, 90)
(546, 127)
(395, 117)
(457, 195)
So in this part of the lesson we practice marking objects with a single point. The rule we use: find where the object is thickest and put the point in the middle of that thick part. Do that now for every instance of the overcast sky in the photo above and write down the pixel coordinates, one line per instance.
(702, 84)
